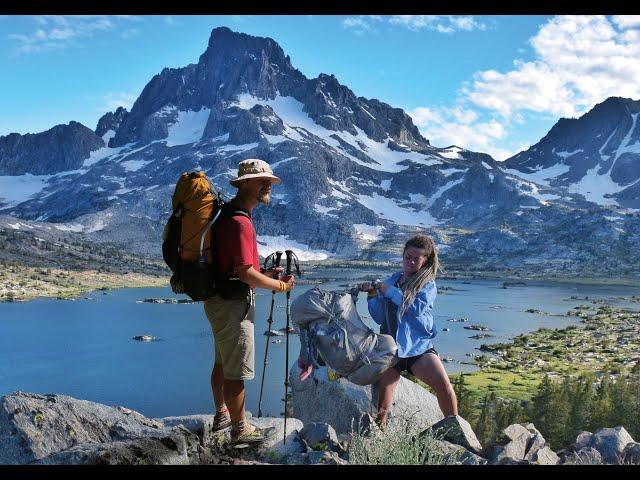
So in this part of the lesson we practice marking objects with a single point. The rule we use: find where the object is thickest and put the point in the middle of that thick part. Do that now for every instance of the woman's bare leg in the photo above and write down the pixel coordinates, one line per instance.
(386, 386)
(430, 370)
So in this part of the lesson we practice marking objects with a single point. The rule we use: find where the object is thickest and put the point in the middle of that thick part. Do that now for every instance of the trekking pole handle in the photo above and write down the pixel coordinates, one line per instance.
(289, 254)
(278, 258)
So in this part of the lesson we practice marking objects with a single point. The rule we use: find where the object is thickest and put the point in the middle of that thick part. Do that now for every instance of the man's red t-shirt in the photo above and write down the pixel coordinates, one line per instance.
(236, 244)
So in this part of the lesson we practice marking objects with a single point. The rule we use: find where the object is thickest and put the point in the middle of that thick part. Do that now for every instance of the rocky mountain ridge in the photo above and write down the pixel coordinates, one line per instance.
(358, 177)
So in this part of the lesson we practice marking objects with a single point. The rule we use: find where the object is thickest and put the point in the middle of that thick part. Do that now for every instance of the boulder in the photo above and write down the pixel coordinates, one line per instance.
(274, 449)
(512, 442)
(200, 424)
(535, 444)
(457, 430)
(583, 456)
(582, 440)
(459, 454)
(345, 405)
(543, 456)
(610, 442)
(35, 426)
(320, 436)
(631, 454)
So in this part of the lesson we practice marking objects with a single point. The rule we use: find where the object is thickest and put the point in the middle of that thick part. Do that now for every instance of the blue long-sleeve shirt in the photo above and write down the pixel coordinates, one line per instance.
(414, 331)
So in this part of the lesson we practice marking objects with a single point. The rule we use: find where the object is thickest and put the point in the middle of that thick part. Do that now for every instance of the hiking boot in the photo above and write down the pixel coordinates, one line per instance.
(249, 435)
(221, 421)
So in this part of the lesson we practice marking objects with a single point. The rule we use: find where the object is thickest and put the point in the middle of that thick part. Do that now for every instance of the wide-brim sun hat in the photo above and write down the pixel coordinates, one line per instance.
(254, 168)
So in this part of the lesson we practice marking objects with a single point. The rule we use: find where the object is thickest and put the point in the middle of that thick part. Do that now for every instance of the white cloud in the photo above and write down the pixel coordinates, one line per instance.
(440, 23)
(579, 61)
(362, 23)
(59, 31)
(627, 21)
(462, 127)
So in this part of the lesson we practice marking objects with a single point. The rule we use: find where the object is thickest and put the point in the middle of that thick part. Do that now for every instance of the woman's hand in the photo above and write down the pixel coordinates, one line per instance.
(366, 287)
(306, 368)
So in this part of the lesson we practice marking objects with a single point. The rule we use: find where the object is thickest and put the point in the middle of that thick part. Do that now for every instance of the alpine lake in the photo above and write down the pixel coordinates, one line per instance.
(85, 348)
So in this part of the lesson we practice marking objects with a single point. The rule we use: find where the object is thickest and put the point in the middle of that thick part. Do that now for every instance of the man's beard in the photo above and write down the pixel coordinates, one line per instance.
(264, 198)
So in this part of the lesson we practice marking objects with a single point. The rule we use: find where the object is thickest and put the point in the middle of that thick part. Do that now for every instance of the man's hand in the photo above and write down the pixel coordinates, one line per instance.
(290, 281)
(273, 272)
(306, 368)
(383, 288)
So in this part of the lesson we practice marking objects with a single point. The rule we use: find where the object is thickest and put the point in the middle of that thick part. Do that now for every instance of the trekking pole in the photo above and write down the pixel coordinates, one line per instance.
(290, 256)
(276, 263)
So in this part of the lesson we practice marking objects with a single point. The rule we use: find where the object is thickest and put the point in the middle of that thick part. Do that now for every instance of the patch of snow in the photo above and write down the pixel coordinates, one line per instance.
(531, 189)
(135, 165)
(234, 148)
(450, 171)
(486, 165)
(188, 127)
(15, 189)
(438, 193)
(268, 244)
(594, 187)
(367, 112)
(96, 227)
(385, 185)
(108, 135)
(452, 152)
(102, 153)
(274, 139)
(368, 233)
(280, 162)
(324, 210)
(389, 209)
(542, 176)
(65, 227)
(624, 148)
(491, 177)
(567, 154)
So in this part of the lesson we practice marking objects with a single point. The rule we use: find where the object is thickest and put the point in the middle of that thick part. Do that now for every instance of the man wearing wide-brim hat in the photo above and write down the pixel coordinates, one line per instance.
(231, 311)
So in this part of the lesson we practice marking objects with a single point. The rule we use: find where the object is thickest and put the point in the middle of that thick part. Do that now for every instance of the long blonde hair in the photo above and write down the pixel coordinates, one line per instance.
(425, 274)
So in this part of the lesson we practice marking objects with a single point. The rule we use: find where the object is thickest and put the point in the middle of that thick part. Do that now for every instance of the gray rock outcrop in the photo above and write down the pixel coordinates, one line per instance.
(320, 436)
(610, 442)
(58, 429)
(583, 456)
(631, 454)
(345, 406)
(456, 430)
(522, 443)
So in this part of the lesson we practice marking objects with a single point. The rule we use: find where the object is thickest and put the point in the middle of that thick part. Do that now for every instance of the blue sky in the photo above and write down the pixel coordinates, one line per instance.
(494, 84)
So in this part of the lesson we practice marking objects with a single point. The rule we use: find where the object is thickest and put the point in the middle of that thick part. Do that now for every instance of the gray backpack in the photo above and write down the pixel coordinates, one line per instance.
(332, 331)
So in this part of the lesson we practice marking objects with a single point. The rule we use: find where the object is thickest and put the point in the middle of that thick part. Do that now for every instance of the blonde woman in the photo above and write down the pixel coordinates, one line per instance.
(403, 306)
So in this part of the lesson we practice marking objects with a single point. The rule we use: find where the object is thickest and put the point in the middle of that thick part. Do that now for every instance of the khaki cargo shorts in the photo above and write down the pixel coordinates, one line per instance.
(233, 338)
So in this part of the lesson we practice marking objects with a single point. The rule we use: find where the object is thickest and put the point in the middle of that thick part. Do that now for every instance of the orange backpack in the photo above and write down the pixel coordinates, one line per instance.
(186, 239)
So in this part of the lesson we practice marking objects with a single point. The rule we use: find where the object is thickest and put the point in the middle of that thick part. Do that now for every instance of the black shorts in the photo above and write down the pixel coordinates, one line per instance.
(405, 364)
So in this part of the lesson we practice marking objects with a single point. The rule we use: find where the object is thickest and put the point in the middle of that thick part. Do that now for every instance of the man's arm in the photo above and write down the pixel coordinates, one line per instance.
(250, 276)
